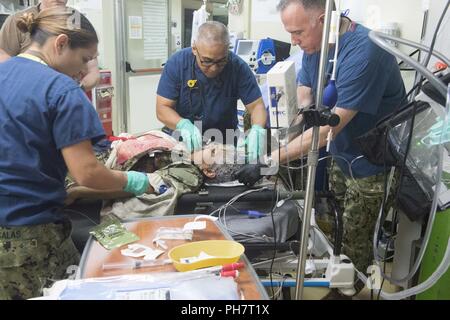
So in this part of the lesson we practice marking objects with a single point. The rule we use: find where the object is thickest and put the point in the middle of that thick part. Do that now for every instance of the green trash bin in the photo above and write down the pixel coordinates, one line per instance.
(433, 257)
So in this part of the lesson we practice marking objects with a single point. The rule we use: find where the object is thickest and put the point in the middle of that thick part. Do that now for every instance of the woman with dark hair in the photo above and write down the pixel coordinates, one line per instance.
(47, 127)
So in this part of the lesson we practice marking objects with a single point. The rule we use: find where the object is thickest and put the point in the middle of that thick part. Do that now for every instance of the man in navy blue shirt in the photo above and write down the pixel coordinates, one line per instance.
(369, 87)
(200, 87)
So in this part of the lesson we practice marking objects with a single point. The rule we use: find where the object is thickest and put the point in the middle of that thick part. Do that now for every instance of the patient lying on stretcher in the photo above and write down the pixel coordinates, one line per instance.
(168, 165)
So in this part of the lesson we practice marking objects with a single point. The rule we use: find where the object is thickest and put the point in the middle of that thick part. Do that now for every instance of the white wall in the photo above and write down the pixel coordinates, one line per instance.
(443, 39)
(241, 22)
(101, 14)
(374, 13)
(142, 115)
(259, 20)
(408, 14)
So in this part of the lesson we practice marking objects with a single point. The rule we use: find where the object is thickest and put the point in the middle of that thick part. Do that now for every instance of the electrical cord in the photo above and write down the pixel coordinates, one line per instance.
(381, 217)
(384, 271)
(222, 215)
(395, 201)
(403, 62)
(274, 233)
(399, 184)
(433, 41)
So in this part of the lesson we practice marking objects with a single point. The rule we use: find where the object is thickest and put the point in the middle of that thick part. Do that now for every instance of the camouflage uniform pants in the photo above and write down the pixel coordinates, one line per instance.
(360, 200)
(32, 257)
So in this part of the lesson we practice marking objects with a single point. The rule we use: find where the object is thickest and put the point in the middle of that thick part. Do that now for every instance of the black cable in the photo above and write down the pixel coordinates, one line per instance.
(338, 224)
(406, 69)
(384, 268)
(404, 161)
(411, 54)
(433, 42)
(398, 187)
(408, 145)
(274, 235)
(401, 177)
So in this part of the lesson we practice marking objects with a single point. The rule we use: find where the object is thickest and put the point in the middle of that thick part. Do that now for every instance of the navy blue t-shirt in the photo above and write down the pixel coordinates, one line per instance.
(41, 112)
(212, 101)
(368, 80)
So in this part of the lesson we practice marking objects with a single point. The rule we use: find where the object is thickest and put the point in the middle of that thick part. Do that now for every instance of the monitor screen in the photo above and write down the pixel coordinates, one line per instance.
(282, 50)
(244, 47)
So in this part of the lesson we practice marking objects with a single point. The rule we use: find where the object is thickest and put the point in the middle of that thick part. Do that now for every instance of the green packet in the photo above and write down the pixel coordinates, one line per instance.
(111, 233)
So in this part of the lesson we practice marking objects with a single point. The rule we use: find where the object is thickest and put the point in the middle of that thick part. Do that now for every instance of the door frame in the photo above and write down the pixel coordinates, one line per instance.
(122, 90)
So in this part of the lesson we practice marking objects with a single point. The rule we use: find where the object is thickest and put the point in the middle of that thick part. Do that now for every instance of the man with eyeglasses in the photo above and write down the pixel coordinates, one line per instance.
(202, 84)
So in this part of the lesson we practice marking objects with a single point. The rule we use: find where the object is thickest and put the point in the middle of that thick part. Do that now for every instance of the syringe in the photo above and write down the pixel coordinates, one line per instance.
(136, 264)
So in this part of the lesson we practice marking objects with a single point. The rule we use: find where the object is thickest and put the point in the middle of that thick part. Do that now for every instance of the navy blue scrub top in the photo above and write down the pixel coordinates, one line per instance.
(368, 80)
(41, 112)
(212, 101)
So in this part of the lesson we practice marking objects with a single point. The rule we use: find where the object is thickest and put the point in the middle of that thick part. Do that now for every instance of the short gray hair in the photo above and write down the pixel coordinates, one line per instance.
(228, 166)
(213, 32)
(307, 4)
(223, 173)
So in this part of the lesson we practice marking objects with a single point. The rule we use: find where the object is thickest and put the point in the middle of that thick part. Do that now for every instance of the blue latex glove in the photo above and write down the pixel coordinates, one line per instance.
(192, 137)
(255, 142)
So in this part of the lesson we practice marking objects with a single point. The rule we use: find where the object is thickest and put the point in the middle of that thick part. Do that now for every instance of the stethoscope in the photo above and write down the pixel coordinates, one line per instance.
(195, 84)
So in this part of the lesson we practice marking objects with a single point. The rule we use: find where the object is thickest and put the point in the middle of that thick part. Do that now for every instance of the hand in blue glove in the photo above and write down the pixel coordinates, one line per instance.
(192, 137)
(137, 183)
(255, 142)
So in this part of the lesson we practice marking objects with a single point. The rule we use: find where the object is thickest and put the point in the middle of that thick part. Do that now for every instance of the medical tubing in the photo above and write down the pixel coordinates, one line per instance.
(431, 218)
(137, 183)
(387, 187)
(336, 48)
(379, 39)
(437, 274)
(229, 204)
(416, 45)
(433, 42)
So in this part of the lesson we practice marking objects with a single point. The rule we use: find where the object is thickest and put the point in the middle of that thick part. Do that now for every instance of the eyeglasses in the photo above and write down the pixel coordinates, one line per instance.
(206, 62)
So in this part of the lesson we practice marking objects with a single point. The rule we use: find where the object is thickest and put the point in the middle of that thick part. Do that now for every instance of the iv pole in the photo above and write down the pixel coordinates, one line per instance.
(313, 157)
